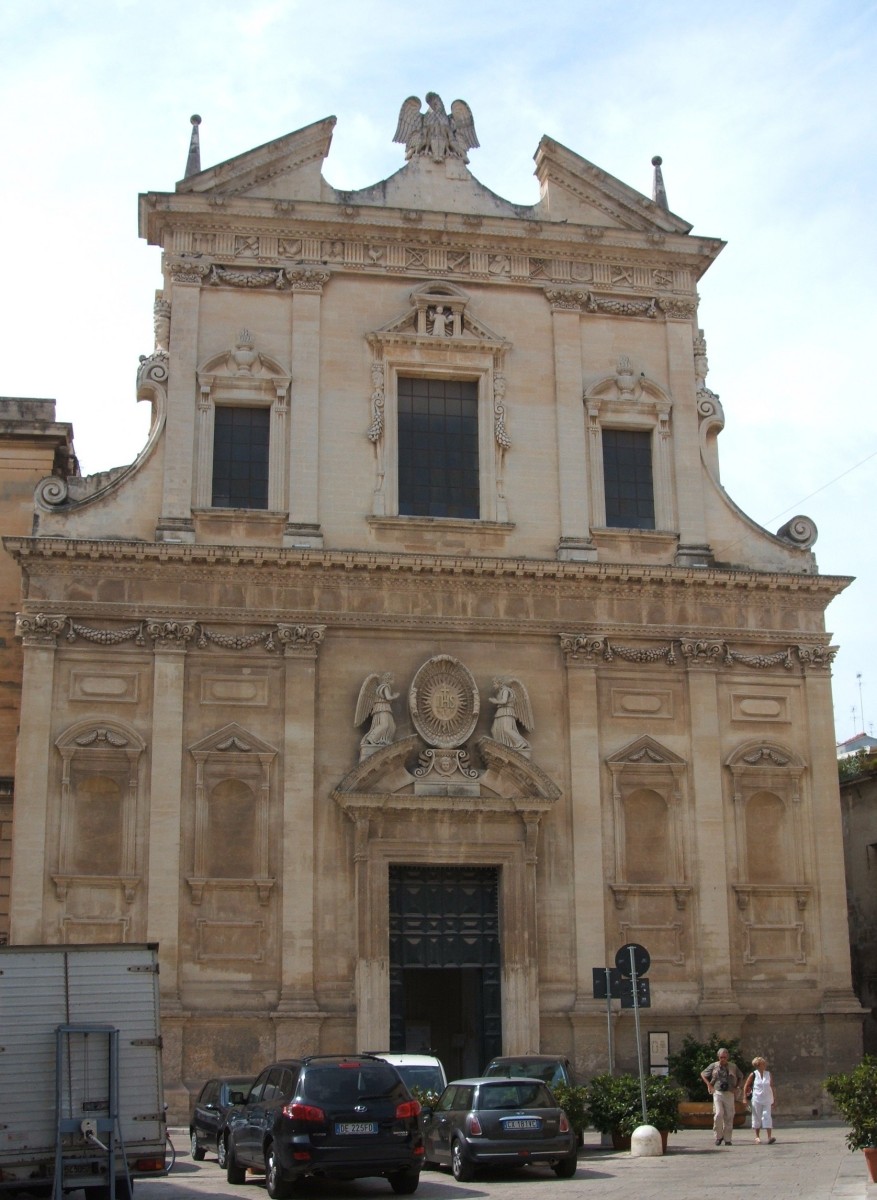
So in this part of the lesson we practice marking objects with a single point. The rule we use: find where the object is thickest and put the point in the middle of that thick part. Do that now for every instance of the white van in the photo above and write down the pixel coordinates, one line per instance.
(422, 1071)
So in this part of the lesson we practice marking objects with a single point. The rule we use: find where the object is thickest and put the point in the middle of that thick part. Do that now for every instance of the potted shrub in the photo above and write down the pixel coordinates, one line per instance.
(574, 1102)
(696, 1110)
(614, 1106)
(855, 1096)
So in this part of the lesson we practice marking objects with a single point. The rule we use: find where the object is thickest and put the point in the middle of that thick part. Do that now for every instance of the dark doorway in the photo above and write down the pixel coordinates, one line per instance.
(445, 964)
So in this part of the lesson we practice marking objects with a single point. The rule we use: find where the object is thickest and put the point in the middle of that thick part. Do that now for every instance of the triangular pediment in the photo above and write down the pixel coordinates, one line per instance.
(645, 751)
(232, 739)
(288, 168)
(576, 190)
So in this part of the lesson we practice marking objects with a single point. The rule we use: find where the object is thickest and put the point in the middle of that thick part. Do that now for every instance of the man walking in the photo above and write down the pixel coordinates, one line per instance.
(723, 1081)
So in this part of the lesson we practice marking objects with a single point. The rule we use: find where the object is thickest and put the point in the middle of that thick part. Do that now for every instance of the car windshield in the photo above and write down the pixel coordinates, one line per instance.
(515, 1095)
(426, 1078)
(546, 1071)
(334, 1084)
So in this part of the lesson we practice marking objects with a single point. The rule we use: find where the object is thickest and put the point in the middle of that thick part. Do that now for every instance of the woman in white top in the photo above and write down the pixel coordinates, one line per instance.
(759, 1089)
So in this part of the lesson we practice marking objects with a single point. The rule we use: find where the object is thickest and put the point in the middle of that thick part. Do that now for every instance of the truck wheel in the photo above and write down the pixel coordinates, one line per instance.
(233, 1172)
(194, 1149)
(276, 1186)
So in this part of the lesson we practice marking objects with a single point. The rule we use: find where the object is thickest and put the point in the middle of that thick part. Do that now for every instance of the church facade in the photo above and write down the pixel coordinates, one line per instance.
(420, 660)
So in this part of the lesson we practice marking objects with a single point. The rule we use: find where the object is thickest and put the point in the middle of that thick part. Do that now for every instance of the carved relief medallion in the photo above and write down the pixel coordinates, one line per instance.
(444, 702)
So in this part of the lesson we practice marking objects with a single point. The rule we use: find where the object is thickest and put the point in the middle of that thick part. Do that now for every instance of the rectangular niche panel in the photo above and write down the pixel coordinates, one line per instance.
(92, 932)
(248, 690)
(639, 702)
(119, 686)
(753, 705)
(238, 941)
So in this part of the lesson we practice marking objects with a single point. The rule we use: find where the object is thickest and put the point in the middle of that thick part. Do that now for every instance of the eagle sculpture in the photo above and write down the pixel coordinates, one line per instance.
(434, 132)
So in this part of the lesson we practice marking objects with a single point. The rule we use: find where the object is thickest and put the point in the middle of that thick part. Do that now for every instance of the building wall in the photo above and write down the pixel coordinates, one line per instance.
(858, 797)
(191, 767)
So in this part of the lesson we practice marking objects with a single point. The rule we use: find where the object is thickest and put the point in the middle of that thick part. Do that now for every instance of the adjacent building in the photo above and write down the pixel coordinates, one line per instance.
(420, 660)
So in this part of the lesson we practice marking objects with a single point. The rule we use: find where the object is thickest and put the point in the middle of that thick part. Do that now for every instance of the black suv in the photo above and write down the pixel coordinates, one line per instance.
(327, 1116)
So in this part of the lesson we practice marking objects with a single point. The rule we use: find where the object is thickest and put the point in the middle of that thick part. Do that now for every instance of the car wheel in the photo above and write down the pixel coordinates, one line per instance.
(194, 1149)
(221, 1152)
(276, 1186)
(566, 1168)
(233, 1172)
(404, 1183)
(461, 1169)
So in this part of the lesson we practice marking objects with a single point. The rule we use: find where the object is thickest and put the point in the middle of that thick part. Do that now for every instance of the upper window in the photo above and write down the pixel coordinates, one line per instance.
(627, 477)
(438, 447)
(240, 457)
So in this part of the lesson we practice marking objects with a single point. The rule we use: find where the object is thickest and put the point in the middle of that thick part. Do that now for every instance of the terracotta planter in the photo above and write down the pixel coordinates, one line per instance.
(698, 1114)
(870, 1153)
(620, 1141)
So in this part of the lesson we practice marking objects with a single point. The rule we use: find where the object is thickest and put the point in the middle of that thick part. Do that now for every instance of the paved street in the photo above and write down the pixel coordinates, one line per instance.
(808, 1162)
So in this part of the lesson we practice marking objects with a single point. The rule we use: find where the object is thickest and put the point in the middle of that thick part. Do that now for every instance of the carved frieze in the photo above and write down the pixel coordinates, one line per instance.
(584, 647)
(45, 629)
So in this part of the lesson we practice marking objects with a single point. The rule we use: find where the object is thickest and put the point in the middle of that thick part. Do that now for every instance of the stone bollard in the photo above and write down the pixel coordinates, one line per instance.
(645, 1142)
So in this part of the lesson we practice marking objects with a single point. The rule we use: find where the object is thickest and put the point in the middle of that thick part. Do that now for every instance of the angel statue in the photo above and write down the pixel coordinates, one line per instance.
(375, 697)
(434, 132)
(512, 709)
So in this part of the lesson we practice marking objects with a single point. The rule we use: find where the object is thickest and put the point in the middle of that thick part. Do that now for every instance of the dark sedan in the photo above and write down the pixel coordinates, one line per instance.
(498, 1122)
(207, 1118)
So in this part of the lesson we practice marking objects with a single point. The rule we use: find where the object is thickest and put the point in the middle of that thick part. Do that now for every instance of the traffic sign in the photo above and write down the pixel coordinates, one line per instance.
(604, 976)
(641, 959)
(643, 993)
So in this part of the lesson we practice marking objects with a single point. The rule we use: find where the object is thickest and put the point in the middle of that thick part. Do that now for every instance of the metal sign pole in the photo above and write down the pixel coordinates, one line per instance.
(609, 1023)
(639, 1044)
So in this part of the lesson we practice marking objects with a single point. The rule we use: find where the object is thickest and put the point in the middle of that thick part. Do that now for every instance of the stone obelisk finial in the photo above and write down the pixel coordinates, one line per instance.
(193, 162)
(659, 195)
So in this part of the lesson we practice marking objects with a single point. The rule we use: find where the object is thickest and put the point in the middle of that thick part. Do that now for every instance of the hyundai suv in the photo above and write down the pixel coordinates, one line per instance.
(326, 1116)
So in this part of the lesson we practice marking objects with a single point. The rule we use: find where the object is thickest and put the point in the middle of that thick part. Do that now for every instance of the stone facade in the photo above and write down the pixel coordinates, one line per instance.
(372, 774)
(33, 445)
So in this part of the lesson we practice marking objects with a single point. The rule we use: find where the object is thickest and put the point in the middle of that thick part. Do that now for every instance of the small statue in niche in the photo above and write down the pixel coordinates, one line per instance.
(441, 320)
(375, 701)
(512, 709)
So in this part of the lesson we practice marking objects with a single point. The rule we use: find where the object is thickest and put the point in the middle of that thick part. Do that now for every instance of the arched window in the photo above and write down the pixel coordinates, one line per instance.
(231, 831)
(647, 837)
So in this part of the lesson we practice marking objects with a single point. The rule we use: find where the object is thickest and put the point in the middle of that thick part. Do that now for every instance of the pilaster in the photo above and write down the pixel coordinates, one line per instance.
(170, 640)
(303, 528)
(589, 924)
(175, 522)
(693, 544)
(575, 538)
(300, 647)
(711, 860)
(30, 871)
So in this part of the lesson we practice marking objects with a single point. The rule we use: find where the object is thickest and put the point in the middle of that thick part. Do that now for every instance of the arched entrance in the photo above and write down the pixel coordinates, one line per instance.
(445, 973)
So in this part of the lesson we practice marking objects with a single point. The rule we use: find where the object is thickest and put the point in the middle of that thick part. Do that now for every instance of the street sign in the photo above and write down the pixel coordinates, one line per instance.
(600, 983)
(643, 993)
(641, 959)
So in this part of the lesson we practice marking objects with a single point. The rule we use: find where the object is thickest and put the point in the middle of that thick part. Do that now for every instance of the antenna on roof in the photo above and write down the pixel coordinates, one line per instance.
(193, 162)
(659, 194)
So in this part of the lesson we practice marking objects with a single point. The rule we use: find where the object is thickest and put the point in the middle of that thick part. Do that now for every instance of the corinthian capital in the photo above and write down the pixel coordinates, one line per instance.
(301, 639)
(39, 629)
(170, 635)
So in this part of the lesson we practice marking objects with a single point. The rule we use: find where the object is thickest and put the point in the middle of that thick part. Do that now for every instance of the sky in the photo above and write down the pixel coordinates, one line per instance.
(762, 110)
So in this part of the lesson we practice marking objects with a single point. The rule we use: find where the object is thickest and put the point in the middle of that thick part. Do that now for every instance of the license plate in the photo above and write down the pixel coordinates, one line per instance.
(345, 1127)
(521, 1124)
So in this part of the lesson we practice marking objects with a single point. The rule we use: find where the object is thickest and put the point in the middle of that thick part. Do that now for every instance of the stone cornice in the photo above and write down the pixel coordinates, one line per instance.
(30, 551)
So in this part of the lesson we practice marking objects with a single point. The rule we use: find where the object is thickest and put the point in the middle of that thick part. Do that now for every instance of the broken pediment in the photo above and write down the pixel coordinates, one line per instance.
(573, 189)
(406, 776)
(287, 168)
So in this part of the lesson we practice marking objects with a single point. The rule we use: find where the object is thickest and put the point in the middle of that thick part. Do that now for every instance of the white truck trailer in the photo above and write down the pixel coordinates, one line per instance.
(80, 1070)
